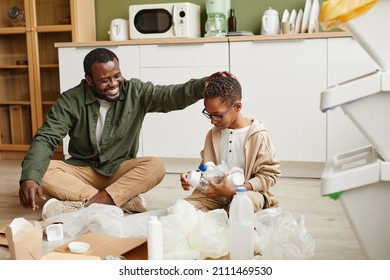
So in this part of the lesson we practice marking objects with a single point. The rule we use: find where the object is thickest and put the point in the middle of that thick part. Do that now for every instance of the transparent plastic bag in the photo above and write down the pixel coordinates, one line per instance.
(281, 236)
(192, 234)
(334, 13)
(105, 219)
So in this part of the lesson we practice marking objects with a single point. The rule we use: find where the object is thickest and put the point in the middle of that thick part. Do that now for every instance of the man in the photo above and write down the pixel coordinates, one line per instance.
(103, 116)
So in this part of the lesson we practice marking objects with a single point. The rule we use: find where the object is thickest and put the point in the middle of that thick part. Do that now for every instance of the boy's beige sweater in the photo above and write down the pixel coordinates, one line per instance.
(261, 166)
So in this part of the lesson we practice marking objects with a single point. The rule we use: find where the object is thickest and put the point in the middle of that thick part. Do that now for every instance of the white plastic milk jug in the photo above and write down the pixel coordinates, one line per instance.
(241, 226)
(155, 239)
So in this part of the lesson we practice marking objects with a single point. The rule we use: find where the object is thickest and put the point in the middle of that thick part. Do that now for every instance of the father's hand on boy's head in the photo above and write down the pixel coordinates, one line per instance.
(220, 73)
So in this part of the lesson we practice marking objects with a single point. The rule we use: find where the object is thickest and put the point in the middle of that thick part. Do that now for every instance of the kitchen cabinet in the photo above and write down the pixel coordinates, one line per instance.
(281, 83)
(72, 71)
(179, 134)
(346, 60)
(29, 70)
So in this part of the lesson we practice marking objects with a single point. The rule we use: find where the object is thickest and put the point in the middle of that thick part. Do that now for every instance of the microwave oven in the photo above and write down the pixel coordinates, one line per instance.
(168, 20)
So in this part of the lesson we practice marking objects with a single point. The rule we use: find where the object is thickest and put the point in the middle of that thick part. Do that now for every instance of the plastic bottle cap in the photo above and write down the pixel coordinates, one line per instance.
(241, 189)
(203, 167)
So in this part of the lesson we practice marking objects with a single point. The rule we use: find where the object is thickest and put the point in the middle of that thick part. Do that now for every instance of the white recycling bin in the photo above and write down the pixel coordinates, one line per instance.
(371, 31)
(366, 101)
(361, 182)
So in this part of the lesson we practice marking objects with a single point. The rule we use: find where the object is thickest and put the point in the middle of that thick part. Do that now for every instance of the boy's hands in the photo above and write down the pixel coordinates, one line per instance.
(220, 189)
(184, 183)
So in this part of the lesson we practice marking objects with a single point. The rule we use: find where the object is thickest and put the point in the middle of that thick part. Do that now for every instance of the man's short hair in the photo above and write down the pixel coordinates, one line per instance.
(97, 56)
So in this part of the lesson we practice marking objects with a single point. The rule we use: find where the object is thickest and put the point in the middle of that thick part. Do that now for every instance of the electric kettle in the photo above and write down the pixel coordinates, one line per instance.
(270, 22)
(119, 30)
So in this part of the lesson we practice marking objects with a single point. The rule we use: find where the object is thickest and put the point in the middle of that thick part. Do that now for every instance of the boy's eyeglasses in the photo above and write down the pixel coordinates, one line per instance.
(217, 117)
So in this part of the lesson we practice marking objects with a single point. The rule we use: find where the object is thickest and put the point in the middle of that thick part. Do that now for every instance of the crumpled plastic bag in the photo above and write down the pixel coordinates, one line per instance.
(192, 234)
(105, 219)
(334, 13)
(281, 236)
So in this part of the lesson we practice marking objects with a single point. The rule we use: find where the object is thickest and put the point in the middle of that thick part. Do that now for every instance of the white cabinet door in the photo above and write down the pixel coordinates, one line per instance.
(346, 60)
(179, 134)
(281, 83)
(72, 71)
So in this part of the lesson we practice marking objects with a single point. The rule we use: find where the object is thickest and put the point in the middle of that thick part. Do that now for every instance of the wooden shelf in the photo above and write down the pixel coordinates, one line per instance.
(13, 66)
(49, 65)
(11, 102)
(53, 28)
(12, 30)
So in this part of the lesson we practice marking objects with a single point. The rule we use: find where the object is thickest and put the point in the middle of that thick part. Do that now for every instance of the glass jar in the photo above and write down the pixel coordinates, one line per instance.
(17, 17)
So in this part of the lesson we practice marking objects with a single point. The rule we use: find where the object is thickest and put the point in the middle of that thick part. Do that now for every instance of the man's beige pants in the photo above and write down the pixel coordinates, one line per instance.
(78, 183)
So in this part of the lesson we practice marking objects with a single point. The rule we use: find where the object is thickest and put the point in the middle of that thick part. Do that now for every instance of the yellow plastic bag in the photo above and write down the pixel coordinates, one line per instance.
(334, 13)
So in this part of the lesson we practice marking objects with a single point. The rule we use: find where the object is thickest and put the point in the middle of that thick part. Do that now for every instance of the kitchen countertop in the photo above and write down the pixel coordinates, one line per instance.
(200, 40)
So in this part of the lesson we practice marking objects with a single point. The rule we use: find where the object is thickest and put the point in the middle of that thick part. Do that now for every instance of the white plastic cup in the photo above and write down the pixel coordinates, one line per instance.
(54, 232)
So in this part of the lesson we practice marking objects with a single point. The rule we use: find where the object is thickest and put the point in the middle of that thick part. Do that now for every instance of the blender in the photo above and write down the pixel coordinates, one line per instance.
(217, 14)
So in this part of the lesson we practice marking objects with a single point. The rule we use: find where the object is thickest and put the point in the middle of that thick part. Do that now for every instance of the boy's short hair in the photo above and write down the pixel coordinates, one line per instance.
(226, 88)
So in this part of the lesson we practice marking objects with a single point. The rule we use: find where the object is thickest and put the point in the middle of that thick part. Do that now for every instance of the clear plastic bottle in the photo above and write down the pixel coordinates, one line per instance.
(207, 171)
(155, 239)
(241, 226)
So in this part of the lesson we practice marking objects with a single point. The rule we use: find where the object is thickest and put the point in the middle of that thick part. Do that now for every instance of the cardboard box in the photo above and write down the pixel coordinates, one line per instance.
(24, 239)
(3, 239)
(104, 245)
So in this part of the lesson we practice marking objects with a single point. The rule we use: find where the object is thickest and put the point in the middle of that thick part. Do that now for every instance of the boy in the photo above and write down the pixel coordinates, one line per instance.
(239, 142)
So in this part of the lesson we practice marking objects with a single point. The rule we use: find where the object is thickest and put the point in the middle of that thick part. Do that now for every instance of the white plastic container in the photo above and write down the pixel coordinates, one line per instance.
(236, 177)
(54, 232)
(370, 30)
(366, 101)
(363, 184)
(241, 226)
(155, 239)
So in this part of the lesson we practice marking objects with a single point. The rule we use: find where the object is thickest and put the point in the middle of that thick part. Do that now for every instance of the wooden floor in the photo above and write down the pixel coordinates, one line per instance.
(324, 218)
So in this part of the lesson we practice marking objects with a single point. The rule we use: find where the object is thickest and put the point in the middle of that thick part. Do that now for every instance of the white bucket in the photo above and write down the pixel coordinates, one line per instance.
(364, 186)
(371, 31)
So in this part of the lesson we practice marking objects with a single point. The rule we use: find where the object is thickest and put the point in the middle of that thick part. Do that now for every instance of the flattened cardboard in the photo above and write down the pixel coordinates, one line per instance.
(103, 245)
(66, 256)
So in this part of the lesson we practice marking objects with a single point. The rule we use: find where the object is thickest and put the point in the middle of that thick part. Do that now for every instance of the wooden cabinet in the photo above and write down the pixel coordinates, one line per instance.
(281, 83)
(29, 70)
